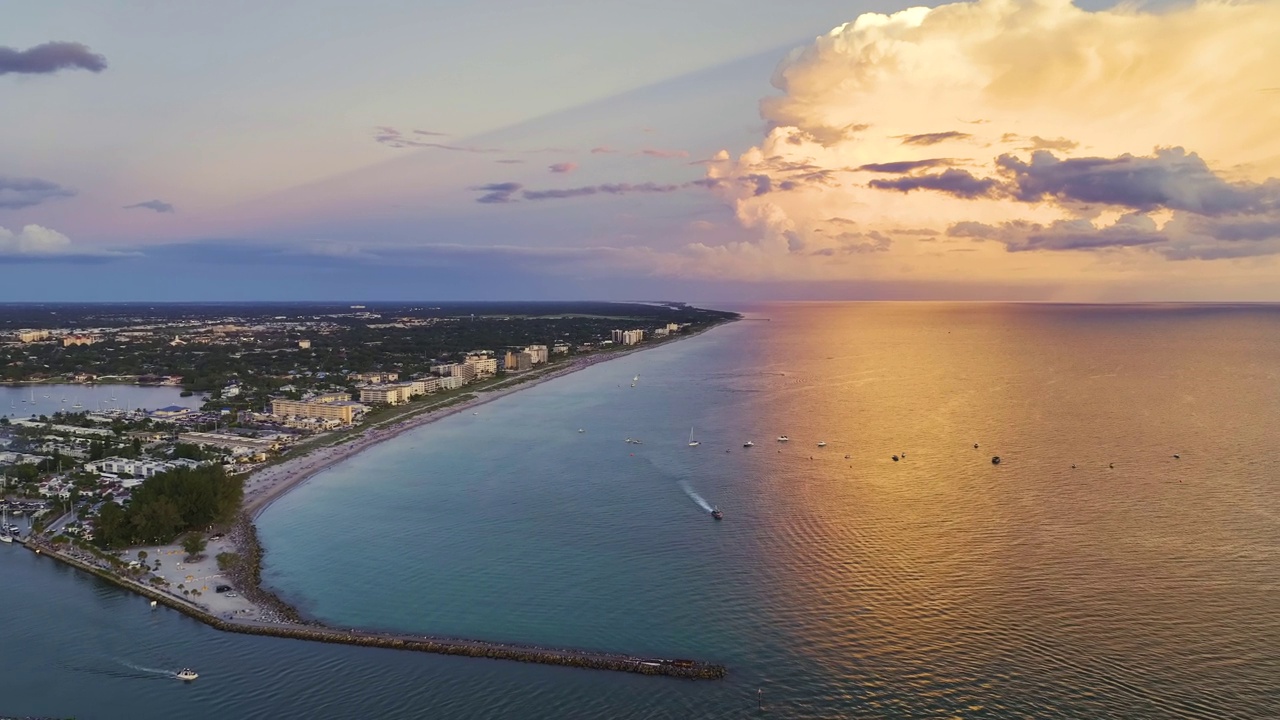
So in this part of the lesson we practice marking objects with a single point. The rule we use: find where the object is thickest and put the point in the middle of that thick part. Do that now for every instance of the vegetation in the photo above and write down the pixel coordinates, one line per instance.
(193, 544)
(171, 503)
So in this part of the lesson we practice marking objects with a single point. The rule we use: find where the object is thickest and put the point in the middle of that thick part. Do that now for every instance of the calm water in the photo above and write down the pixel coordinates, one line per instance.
(938, 586)
(17, 400)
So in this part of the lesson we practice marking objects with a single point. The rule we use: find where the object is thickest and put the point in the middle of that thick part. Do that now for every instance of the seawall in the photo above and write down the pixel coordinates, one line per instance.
(594, 660)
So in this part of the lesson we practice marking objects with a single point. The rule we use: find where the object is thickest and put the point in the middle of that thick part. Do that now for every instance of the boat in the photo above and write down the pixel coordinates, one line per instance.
(153, 604)
(995, 460)
(748, 444)
(186, 674)
(715, 513)
(783, 438)
(634, 380)
(5, 535)
(822, 443)
(692, 442)
(581, 430)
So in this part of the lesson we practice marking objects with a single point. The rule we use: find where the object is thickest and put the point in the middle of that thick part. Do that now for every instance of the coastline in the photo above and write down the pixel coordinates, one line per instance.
(258, 611)
(266, 485)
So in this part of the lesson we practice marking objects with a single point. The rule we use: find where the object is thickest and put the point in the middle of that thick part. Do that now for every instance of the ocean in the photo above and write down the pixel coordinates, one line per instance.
(1090, 574)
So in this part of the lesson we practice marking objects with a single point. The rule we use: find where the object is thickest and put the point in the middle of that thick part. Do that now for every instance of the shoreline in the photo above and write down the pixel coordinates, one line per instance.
(279, 479)
(259, 611)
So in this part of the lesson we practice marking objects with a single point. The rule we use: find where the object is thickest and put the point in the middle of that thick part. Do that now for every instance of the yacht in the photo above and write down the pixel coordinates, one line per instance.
(783, 438)
(748, 444)
(692, 442)
(715, 513)
(822, 443)
(186, 674)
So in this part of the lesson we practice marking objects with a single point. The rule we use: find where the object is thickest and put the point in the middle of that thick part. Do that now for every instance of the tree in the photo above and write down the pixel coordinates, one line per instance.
(142, 556)
(194, 544)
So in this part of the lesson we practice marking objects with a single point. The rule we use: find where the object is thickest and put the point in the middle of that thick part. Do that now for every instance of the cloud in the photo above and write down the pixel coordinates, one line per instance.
(159, 206)
(603, 149)
(50, 58)
(607, 189)
(563, 167)
(18, 193)
(904, 166)
(391, 137)
(660, 153)
(1172, 178)
(510, 161)
(496, 193)
(933, 138)
(430, 133)
(959, 183)
(39, 244)
(1046, 78)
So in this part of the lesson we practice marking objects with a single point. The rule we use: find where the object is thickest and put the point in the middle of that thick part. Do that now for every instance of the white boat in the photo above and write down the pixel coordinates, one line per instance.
(692, 442)
(581, 430)
(748, 444)
(5, 535)
(153, 604)
(186, 674)
(634, 380)
(822, 443)
(783, 438)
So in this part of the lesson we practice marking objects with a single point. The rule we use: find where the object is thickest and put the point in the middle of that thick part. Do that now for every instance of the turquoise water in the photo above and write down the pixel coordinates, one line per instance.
(1134, 584)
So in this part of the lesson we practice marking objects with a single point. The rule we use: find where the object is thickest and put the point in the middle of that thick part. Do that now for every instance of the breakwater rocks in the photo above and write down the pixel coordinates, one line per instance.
(688, 669)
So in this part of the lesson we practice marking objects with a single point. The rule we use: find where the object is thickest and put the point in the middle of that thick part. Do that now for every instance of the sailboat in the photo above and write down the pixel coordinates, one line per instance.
(692, 442)
(4, 523)
(77, 405)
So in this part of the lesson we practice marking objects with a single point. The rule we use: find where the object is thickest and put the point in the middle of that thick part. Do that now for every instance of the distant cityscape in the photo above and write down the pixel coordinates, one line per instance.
(268, 386)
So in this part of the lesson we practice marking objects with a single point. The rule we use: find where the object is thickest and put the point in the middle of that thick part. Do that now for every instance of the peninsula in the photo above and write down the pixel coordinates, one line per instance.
(105, 513)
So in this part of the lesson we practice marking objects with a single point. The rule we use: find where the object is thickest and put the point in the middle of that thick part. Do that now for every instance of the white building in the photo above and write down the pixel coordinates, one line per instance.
(386, 394)
(485, 366)
(451, 383)
(537, 353)
(139, 467)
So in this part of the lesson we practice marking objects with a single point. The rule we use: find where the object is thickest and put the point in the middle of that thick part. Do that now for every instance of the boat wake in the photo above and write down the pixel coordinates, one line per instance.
(696, 497)
(148, 671)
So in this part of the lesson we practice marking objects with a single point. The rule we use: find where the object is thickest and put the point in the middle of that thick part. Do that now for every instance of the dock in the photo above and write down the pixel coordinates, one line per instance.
(565, 657)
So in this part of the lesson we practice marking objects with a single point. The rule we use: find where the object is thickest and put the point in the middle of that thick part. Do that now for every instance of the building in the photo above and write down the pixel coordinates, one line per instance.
(386, 394)
(518, 361)
(463, 370)
(661, 332)
(139, 468)
(425, 386)
(627, 337)
(343, 411)
(451, 383)
(233, 443)
(304, 344)
(672, 328)
(77, 340)
(537, 353)
(560, 349)
(170, 412)
(373, 378)
(484, 365)
(27, 336)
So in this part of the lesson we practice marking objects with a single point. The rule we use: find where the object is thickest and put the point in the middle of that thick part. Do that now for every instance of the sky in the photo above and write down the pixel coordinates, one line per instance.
(705, 151)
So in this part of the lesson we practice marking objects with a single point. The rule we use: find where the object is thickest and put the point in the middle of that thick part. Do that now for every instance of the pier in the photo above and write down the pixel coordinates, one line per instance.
(588, 659)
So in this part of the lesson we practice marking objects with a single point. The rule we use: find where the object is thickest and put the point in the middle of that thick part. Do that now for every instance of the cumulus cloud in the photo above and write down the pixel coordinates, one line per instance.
(159, 206)
(33, 240)
(18, 193)
(853, 132)
(563, 167)
(50, 58)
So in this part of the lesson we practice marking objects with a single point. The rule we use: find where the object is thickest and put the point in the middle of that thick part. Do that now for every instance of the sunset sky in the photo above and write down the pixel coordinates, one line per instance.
(708, 151)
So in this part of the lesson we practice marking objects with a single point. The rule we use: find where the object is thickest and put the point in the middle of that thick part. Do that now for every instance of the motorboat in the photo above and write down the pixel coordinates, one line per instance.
(748, 444)
(822, 443)
(186, 674)
(783, 438)
(995, 460)
(715, 513)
